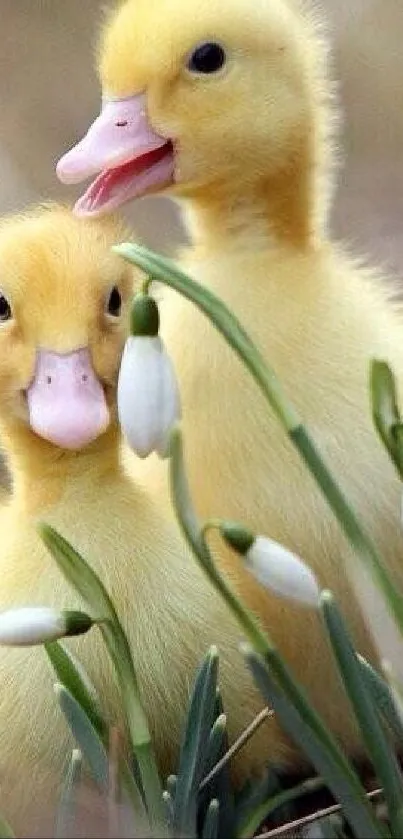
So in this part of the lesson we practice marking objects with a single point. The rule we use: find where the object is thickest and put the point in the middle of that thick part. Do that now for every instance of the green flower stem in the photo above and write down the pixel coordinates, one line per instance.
(259, 639)
(165, 271)
(80, 575)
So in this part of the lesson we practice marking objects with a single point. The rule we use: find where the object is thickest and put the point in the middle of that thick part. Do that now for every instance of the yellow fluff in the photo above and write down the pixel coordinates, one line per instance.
(56, 272)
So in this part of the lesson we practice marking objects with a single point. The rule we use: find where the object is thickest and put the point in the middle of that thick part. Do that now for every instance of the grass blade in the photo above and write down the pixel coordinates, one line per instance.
(65, 817)
(383, 698)
(193, 753)
(81, 576)
(85, 735)
(212, 820)
(5, 829)
(267, 805)
(361, 699)
(330, 764)
(72, 675)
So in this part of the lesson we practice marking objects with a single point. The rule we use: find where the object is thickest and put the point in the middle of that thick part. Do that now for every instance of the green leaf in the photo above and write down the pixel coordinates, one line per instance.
(193, 753)
(385, 409)
(81, 576)
(71, 674)
(365, 710)
(382, 696)
(219, 786)
(78, 573)
(66, 812)
(5, 829)
(211, 822)
(325, 756)
(215, 743)
(85, 735)
(261, 806)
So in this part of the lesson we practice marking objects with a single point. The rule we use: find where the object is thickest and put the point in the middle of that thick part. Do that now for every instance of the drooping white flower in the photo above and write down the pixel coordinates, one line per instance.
(274, 566)
(28, 626)
(148, 394)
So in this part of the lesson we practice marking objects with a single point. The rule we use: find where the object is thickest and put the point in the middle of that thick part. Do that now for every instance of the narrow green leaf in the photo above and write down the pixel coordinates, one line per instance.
(66, 811)
(328, 760)
(385, 409)
(382, 697)
(212, 820)
(215, 743)
(169, 806)
(81, 576)
(85, 735)
(361, 699)
(265, 806)
(5, 829)
(193, 752)
(78, 573)
(71, 674)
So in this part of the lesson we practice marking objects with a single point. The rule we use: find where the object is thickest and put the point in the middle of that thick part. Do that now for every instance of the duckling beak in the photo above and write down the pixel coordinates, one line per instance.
(120, 145)
(66, 401)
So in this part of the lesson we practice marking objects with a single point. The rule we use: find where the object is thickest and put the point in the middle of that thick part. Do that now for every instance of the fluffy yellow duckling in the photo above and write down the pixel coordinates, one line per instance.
(63, 322)
(228, 109)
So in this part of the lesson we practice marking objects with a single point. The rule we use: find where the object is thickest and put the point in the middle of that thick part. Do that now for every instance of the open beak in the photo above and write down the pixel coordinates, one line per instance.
(131, 159)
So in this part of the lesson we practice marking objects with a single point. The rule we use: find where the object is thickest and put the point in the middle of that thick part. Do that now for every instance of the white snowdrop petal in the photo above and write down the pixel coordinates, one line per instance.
(148, 395)
(31, 625)
(170, 406)
(282, 571)
(138, 389)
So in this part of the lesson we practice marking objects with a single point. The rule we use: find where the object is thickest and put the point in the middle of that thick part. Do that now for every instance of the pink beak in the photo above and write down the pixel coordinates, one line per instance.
(66, 401)
(122, 146)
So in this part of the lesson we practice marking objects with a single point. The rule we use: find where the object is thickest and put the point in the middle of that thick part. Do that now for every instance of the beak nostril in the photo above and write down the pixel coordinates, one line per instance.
(121, 124)
(48, 380)
(84, 377)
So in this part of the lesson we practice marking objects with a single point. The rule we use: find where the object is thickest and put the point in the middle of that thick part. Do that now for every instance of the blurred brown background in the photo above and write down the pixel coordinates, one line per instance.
(49, 94)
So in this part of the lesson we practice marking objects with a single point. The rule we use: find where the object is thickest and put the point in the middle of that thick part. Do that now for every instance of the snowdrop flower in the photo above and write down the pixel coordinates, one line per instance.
(275, 567)
(148, 394)
(36, 625)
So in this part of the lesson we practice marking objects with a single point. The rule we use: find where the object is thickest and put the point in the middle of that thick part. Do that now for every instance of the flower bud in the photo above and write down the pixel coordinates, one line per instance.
(275, 567)
(28, 626)
(148, 395)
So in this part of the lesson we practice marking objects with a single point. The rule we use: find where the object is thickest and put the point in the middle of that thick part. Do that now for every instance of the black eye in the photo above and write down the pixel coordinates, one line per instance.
(207, 58)
(5, 309)
(114, 303)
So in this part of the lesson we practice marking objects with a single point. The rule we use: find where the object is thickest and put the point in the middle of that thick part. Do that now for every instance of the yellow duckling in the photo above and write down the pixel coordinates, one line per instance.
(228, 109)
(63, 321)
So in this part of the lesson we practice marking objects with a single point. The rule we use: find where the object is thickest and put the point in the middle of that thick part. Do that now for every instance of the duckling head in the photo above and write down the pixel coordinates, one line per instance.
(219, 103)
(63, 321)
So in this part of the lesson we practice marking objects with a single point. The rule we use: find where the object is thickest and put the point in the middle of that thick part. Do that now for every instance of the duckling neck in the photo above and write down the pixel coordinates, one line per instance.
(41, 473)
(287, 209)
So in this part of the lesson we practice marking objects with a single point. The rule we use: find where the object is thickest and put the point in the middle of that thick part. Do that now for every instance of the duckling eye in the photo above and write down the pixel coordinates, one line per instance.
(5, 309)
(114, 303)
(207, 58)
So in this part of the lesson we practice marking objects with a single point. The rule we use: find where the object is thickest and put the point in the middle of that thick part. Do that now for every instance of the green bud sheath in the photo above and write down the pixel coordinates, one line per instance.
(145, 318)
(77, 623)
(237, 537)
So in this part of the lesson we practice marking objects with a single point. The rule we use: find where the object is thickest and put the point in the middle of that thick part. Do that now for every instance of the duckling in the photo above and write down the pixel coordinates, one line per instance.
(229, 110)
(63, 322)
